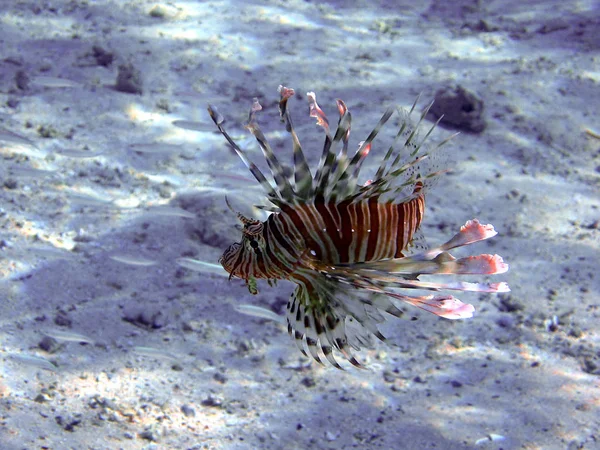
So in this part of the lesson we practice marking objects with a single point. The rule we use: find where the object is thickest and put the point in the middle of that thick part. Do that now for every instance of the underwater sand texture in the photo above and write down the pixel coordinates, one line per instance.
(107, 341)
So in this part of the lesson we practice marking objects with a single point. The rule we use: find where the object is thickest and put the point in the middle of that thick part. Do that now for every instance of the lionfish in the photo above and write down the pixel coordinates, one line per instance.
(346, 245)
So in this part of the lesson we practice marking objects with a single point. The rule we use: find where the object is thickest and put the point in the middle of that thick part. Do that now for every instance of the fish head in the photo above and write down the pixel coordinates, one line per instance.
(241, 258)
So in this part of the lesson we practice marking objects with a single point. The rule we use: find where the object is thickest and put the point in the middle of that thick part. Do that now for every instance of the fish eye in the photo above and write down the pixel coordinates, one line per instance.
(253, 244)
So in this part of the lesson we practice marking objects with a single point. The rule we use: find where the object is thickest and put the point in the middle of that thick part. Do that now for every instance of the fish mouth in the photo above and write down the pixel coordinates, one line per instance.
(231, 259)
(225, 266)
(229, 268)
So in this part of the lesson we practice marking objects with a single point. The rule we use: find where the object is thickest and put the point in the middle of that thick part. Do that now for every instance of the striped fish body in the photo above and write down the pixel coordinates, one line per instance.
(328, 233)
(349, 232)
(346, 246)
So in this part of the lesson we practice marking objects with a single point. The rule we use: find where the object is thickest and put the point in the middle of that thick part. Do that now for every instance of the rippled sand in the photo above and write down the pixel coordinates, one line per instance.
(110, 338)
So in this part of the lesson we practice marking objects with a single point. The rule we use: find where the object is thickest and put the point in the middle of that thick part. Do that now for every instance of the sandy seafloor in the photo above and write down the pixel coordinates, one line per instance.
(523, 373)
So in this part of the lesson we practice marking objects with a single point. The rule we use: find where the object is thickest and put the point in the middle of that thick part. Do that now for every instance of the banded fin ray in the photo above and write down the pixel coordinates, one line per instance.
(328, 315)
(272, 193)
(345, 183)
(337, 175)
(333, 162)
(302, 176)
(381, 276)
(328, 158)
(283, 185)
(319, 329)
(317, 318)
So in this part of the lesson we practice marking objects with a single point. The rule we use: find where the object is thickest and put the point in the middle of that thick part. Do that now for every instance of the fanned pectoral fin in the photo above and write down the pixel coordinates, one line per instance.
(439, 261)
(383, 277)
(297, 321)
(445, 306)
(314, 319)
(443, 263)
